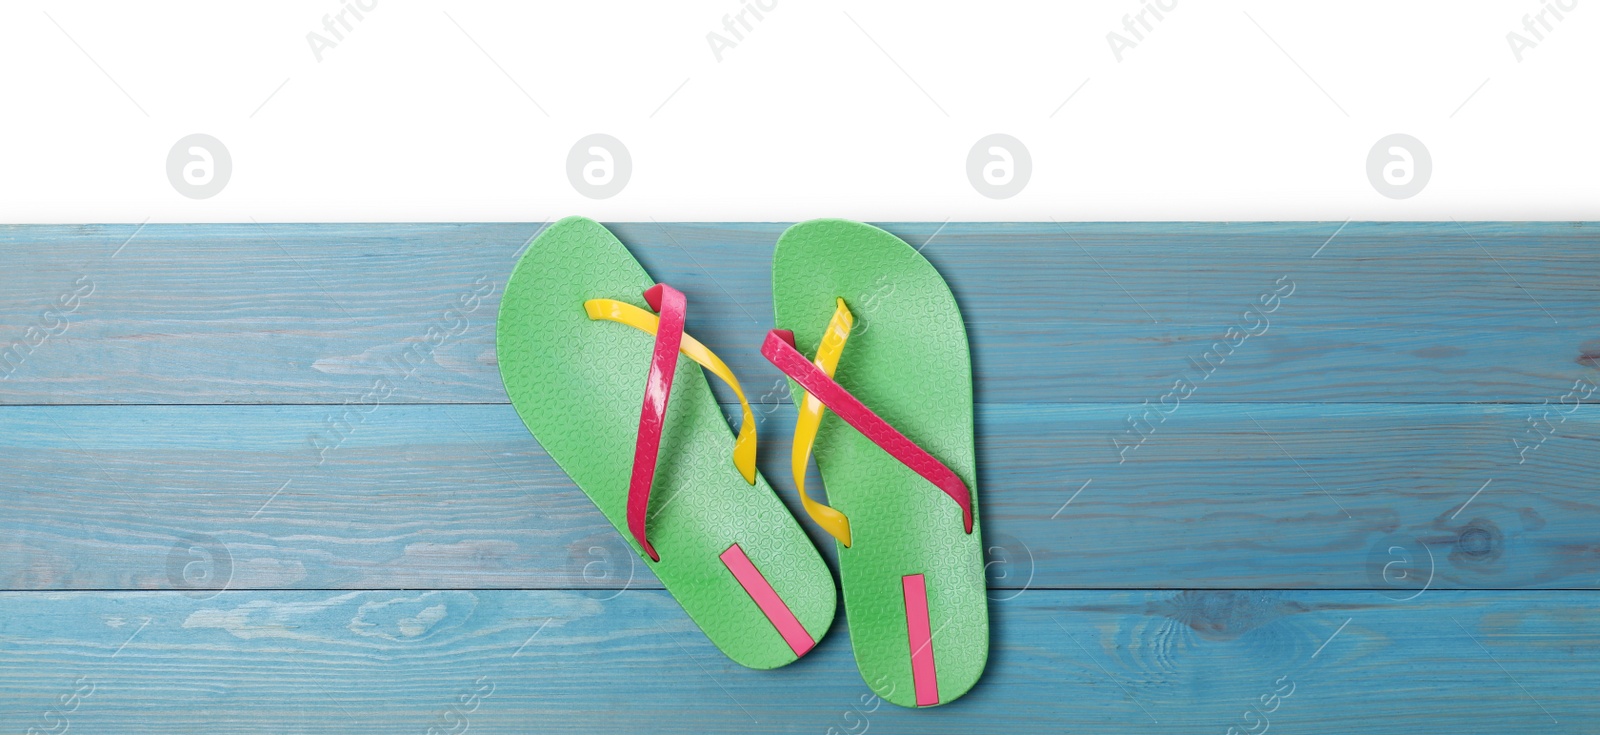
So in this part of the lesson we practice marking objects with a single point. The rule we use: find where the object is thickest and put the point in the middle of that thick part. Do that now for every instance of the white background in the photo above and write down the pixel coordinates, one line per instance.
(430, 111)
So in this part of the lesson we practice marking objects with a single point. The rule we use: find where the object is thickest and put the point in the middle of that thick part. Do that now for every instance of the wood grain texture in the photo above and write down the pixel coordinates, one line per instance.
(1375, 495)
(554, 661)
(1417, 312)
(1220, 495)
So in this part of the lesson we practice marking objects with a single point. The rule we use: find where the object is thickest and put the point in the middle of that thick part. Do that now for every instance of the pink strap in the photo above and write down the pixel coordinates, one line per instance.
(919, 634)
(766, 598)
(779, 349)
(672, 305)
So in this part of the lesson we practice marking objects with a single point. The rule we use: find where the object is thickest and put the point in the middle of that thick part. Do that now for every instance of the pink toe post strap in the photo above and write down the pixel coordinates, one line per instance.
(672, 305)
(779, 349)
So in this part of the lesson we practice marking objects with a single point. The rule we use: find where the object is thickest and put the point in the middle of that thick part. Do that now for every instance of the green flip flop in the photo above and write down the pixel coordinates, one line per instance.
(578, 360)
(892, 435)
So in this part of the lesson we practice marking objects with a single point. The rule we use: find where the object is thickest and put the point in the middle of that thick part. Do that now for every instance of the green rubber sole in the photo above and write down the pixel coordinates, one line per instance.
(906, 359)
(578, 386)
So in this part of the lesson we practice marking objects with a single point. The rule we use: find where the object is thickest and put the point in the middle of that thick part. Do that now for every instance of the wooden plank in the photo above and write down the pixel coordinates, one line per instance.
(559, 661)
(432, 496)
(1353, 444)
(1097, 312)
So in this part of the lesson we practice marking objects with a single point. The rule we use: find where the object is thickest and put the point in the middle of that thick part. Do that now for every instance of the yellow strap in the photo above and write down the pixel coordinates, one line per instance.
(805, 428)
(744, 448)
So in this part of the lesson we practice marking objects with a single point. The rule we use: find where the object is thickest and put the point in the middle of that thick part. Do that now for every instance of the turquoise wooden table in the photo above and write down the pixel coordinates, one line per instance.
(1308, 477)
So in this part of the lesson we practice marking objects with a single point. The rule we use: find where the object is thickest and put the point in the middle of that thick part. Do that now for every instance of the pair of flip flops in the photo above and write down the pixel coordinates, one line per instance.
(884, 406)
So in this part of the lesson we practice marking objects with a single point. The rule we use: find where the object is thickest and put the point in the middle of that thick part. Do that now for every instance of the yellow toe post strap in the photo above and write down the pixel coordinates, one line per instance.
(744, 448)
(805, 429)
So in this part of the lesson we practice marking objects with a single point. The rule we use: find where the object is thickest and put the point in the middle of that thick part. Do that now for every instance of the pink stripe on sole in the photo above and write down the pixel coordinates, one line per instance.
(768, 600)
(923, 676)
